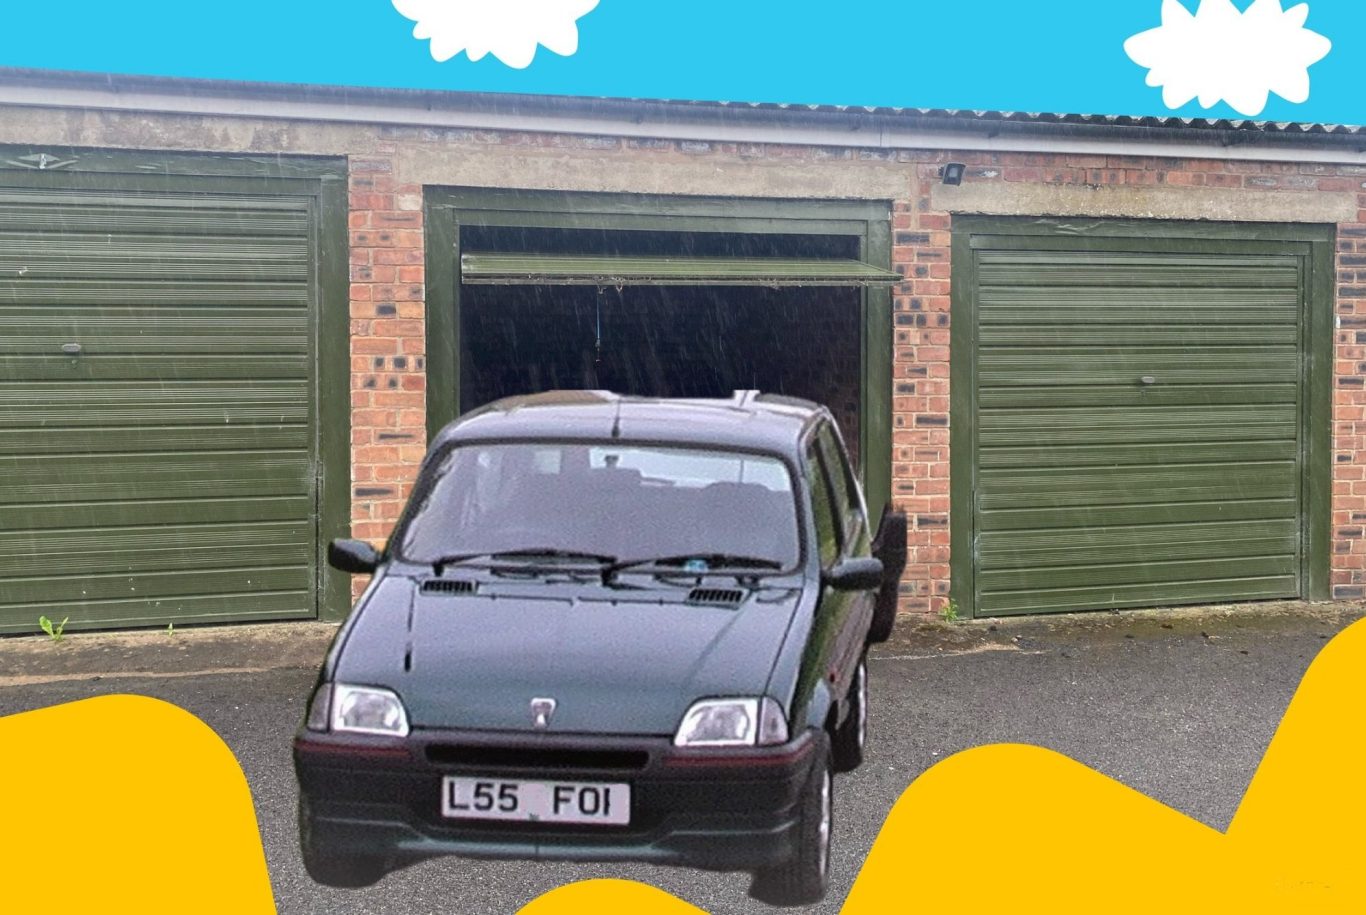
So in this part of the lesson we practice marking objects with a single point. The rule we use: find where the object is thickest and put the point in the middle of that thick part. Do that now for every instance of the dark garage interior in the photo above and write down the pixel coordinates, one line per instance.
(655, 339)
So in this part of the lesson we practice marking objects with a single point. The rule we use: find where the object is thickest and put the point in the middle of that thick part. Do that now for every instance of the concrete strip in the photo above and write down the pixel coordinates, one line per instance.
(1230, 204)
(631, 172)
(154, 653)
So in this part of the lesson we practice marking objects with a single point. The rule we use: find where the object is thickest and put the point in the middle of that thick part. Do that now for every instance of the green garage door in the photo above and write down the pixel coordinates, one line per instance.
(156, 402)
(1138, 421)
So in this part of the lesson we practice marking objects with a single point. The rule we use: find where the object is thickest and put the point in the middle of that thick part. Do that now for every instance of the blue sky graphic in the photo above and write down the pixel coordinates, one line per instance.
(1018, 55)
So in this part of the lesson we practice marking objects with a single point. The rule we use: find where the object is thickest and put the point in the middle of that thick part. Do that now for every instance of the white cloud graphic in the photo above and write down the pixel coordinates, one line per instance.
(1220, 54)
(509, 29)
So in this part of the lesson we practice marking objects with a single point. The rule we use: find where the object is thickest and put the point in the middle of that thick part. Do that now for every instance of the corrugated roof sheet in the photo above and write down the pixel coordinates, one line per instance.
(1038, 117)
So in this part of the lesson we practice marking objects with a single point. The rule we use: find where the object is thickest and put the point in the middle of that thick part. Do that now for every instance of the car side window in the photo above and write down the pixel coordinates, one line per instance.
(823, 510)
(848, 506)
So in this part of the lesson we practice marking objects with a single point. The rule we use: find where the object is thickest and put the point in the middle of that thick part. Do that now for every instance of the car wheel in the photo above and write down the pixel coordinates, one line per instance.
(329, 869)
(851, 736)
(804, 878)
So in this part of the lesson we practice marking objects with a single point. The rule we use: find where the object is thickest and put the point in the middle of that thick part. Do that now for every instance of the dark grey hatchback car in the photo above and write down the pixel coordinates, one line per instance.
(607, 629)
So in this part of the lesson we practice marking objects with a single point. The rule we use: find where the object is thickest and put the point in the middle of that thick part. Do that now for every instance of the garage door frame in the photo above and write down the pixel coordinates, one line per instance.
(324, 180)
(869, 221)
(1314, 242)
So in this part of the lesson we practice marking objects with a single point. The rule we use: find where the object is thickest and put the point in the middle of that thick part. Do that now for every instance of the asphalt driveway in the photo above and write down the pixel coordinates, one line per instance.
(1178, 704)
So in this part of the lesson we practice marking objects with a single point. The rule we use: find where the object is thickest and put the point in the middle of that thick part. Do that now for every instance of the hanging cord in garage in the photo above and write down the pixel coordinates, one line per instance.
(597, 342)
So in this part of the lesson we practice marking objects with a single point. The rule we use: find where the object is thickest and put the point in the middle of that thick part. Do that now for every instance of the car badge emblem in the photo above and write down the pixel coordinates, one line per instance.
(541, 710)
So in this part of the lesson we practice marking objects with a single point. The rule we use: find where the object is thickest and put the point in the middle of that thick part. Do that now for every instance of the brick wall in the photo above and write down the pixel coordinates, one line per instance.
(920, 393)
(387, 347)
(1349, 410)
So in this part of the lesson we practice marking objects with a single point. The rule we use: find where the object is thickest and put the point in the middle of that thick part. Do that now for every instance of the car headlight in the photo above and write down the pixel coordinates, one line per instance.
(367, 710)
(732, 723)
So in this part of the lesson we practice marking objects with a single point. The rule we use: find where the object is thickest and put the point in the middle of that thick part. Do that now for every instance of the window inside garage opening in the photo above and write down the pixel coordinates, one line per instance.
(630, 295)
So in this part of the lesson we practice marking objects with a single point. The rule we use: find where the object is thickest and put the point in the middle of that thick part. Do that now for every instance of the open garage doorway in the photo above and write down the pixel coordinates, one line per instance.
(663, 340)
(666, 297)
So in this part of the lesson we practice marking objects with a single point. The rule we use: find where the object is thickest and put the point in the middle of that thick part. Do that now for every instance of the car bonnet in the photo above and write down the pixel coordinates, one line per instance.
(613, 662)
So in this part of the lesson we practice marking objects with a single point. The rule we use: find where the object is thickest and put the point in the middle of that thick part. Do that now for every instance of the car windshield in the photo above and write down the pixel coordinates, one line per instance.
(625, 501)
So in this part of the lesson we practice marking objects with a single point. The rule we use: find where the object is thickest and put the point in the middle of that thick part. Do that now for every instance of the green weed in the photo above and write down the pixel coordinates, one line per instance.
(54, 631)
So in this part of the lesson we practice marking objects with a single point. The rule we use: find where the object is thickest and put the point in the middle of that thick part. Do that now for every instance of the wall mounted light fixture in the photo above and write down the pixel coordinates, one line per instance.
(952, 173)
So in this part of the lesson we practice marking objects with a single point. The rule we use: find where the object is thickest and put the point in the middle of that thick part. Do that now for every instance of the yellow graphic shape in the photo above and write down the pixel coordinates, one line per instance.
(609, 897)
(1014, 828)
(125, 804)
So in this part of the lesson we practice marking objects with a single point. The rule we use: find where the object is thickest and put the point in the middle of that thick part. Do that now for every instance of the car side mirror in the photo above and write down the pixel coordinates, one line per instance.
(860, 574)
(354, 556)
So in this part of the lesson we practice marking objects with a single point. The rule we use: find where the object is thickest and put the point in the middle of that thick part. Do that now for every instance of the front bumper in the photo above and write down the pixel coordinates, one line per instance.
(733, 810)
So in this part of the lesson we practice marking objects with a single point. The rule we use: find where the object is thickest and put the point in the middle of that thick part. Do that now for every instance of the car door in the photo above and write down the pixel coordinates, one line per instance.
(834, 615)
(855, 541)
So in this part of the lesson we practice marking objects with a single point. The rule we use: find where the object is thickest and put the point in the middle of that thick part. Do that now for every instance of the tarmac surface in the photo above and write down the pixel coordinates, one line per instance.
(1178, 704)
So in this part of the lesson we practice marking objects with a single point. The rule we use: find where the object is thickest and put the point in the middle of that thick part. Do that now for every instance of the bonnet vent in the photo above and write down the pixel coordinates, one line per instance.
(719, 597)
(447, 586)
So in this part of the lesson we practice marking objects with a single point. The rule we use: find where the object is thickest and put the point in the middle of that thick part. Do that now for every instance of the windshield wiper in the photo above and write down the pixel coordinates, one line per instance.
(532, 553)
(711, 563)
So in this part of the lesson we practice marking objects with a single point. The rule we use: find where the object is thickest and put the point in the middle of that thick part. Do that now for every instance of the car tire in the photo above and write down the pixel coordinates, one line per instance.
(329, 869)
(804, 879)
(851, 737)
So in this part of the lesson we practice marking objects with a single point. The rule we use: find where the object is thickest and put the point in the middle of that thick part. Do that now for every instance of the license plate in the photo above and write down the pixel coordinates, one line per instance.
(536, 801)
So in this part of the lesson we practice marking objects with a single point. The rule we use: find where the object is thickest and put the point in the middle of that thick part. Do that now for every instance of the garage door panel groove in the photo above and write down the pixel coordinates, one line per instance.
(155, 368)
(1047, 255)
(132, 440)
(1134, 395)
(1138, 534)
(94, 292)
(1151, 477)
(142, 611)
(1060, 456)
(169, 249)
(1130, 337)
(115, 468)
(1032, 518)
(1119, 308)
(1016, 368)
(73, 566)
(192, 583)
(1101, 498)
(1096, 494)
(27, 223)
(1101, 276)
(1145, 595)
(1151, 570)
(178, 204)
(188, 270)
(1101, 556)
(1142, 434)
(15, 540)
(113, 514)
(131, 491)
(74, 416)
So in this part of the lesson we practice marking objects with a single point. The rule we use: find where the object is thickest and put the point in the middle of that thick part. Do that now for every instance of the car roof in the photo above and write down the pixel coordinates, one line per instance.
(748, 420)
